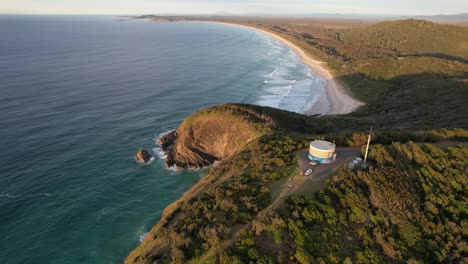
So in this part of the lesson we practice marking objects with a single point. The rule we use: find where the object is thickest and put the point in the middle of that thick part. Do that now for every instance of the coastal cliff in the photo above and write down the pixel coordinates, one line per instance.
(407, 207)
(254, 206)
(218, 132)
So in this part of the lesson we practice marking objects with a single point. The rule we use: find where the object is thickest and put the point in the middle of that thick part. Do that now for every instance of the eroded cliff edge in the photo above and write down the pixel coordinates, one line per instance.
(230, 133)
(245, 210)
(215, 133)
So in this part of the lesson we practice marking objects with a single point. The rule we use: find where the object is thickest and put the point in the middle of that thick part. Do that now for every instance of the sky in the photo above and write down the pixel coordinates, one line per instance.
(134, 7)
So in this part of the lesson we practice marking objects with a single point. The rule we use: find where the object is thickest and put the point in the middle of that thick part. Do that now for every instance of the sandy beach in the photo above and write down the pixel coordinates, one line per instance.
(337, 98)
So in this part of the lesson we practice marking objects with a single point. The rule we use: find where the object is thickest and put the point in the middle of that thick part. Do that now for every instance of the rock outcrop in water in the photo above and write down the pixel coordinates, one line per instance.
(218, 132)
(143, 156)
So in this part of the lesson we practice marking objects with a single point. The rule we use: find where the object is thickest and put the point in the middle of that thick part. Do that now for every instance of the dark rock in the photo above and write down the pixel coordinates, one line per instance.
(167, 140)
(143, 155)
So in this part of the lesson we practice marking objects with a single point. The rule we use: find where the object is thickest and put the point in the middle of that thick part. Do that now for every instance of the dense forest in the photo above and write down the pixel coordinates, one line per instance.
(410, 206)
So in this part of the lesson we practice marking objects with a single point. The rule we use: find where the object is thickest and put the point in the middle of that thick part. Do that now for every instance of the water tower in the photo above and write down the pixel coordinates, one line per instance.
(321, 151)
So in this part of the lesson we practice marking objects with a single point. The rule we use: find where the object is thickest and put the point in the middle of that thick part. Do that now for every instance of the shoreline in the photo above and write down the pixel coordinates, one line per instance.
(337, 98)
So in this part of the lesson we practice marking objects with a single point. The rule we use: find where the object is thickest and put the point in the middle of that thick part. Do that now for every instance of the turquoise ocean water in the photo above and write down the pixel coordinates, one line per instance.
(80, 95)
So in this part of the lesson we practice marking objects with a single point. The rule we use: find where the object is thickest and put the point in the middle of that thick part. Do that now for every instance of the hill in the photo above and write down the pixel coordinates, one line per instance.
(409, 206)
(407, 37)
(215, 133)
(455, 19)
(236, 213)
(412, 74)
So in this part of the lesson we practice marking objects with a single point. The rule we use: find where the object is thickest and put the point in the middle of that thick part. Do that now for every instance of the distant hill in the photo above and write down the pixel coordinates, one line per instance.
(401, 69)
(456, 19)
(412, 36)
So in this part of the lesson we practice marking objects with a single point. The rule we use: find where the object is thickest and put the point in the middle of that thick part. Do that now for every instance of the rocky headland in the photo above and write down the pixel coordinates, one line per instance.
(215, 133)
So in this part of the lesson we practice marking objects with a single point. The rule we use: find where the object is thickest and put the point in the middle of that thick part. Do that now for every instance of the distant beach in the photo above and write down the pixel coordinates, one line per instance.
(337, 99)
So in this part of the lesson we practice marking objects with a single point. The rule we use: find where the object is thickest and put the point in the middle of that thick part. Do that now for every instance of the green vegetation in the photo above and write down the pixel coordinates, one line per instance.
(409, 206)
(234, 192)
(411, 73)
(407, 37)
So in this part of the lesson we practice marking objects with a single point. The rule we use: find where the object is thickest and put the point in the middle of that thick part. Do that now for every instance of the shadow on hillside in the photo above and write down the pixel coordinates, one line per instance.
(418, 101)
(438, 56)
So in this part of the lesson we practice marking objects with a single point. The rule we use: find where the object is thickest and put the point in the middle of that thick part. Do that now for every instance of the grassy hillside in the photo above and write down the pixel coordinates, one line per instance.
(244, 209)
(406, 37)
(228, 197)
(411, 73)
(218, 132)
(409, 206)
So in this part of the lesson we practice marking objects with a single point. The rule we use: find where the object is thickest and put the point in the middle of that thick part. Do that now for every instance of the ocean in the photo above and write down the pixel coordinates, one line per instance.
(79, 95)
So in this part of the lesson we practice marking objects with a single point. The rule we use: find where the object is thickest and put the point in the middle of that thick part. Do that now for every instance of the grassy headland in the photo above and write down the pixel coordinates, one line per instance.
(410, 206)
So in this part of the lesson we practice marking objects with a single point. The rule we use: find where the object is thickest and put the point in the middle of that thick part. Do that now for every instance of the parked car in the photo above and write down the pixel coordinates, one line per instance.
(308, 172)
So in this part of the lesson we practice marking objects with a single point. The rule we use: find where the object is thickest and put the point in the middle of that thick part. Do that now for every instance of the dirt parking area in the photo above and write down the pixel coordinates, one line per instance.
(320, 171)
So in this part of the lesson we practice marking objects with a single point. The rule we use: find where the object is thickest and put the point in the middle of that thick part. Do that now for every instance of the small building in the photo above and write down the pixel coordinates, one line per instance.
(322, 151)
(357, 164)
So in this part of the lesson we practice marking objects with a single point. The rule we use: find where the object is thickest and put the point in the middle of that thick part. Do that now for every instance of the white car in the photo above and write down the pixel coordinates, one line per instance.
(308, 172)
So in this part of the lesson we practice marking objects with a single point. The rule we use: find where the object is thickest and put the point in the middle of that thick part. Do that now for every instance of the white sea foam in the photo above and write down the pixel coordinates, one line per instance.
(291, 86)
(143, 163)
(272, 73)
(7, 195)
(160, 135)
(173, 170)
(142, 237)
(269, 100)
(279, 90)
(158, 152)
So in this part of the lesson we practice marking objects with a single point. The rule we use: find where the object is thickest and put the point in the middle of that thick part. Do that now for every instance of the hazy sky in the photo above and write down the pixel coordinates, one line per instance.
(405, 7)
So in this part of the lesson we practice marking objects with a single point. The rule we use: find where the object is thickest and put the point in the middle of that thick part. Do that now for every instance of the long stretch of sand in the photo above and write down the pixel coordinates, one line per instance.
(337, 99)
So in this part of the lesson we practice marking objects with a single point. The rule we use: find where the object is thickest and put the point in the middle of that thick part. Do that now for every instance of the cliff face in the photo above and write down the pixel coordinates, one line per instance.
(245, 210)
(235, 135)
(218, 132)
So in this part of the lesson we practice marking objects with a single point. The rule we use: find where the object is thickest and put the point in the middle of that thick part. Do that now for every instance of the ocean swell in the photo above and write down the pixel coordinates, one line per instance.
(290, 85)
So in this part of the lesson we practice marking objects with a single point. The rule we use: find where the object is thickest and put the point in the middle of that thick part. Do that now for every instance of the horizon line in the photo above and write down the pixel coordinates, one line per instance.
(228, 14)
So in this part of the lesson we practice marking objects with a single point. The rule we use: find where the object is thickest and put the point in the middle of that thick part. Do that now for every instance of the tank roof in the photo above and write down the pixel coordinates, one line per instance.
(322, 145)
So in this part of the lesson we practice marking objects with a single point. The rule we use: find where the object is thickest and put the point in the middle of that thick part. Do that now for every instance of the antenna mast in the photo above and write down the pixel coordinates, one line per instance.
(368, 143)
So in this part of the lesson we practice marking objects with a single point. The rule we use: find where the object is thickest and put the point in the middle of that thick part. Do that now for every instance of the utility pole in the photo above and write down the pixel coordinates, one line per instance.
(368, 143)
